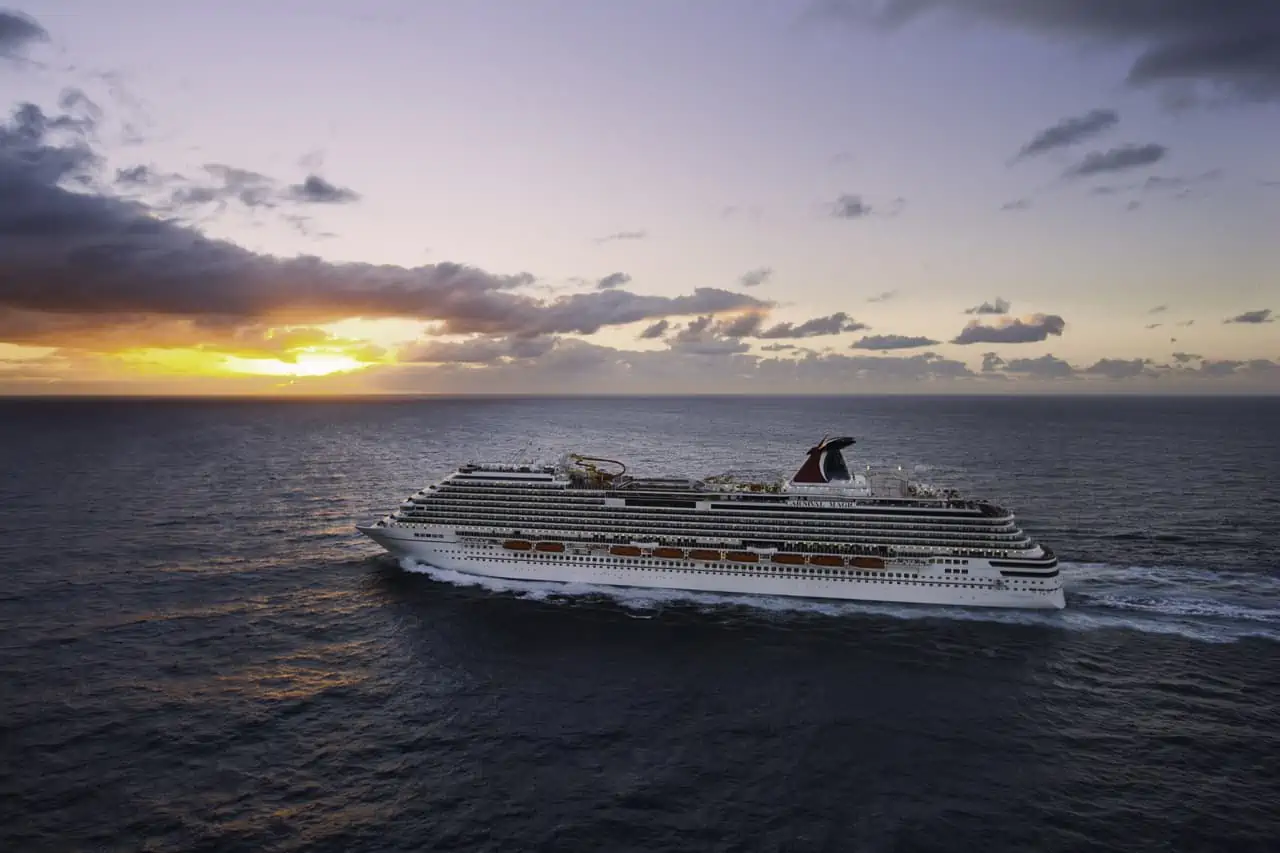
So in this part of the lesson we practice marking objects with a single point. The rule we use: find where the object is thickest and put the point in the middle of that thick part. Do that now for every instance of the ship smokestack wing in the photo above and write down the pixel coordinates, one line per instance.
(825, 463)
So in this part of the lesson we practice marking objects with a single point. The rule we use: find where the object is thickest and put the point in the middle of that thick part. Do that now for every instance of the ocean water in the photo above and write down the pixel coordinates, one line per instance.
(198, 652)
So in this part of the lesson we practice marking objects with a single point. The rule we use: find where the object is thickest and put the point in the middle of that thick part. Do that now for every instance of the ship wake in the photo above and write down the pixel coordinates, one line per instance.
(1195, 603)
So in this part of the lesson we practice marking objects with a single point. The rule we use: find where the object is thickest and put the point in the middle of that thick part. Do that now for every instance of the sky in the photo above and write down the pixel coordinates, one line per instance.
(569, 196)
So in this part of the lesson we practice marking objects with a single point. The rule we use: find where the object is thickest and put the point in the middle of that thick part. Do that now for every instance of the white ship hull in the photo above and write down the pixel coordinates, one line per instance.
(982, 586)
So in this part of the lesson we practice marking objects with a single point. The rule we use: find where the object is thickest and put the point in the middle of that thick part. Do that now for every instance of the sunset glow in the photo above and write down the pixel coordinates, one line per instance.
(798, 198)
(304, 364)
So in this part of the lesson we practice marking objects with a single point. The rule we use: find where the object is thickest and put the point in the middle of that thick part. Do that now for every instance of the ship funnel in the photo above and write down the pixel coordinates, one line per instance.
(825, 463)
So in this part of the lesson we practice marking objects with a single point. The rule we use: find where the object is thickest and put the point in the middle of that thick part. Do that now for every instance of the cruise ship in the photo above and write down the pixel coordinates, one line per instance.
(825, 533)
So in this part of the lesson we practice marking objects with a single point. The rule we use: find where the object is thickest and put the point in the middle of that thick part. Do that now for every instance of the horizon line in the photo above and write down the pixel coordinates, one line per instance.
(390, 396)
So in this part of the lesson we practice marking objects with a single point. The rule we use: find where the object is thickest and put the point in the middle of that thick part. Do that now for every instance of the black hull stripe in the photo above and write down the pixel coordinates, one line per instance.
(1052, 574)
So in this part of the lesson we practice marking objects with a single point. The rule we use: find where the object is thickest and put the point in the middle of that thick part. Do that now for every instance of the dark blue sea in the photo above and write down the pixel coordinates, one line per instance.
(199, 653)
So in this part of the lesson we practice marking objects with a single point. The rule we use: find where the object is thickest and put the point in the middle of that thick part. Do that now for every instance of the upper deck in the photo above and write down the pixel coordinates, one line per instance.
(824, 481)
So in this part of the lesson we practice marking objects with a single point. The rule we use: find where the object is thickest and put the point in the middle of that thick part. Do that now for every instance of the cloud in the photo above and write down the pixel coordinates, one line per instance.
(832, 324)
(252, 189)
(476, 350)
(706, 335)
(1180, 186)
(1153, 325)
(884, 342)
(72, 260)
(316, 190)
(1260, 316)
(17, 33)
(1069, 131)
(1180, 183)
(1159, 309)
(1118, 368)
(91, 333)
(1257, 373)
(702, 363)
(689, 368)
(1117, 160)
(850, 206)
(1037, 327)
(1228, 47)
(700, 337)
(1186, 322)
(1225, 367)
(623, 235)
(756, 277)
(226, 184)
(1017, 204)
(655, 330)
(779, 347)
(612, 280)
(587, 313)
(135, 176)
(883, 297)
(1000, 306)
(1044, 367)
(742, 326)
(494, 352)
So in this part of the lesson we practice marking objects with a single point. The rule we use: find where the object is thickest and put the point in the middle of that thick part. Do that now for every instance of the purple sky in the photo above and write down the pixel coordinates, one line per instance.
(719, 138)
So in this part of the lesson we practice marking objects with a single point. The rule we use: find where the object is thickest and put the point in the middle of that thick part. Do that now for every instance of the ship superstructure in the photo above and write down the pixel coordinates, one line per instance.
(826, 532)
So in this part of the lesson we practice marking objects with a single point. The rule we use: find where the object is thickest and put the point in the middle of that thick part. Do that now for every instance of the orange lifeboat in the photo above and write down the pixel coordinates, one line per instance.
(669, 553)
(625, 551)
(789, 559)
(554, 547)
(703, 554)
(742, 557)
(826, 560)
(517, 545)
(867, 563)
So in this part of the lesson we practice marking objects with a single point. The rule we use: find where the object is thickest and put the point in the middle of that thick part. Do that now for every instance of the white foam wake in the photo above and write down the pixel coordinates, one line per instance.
(1200, 604)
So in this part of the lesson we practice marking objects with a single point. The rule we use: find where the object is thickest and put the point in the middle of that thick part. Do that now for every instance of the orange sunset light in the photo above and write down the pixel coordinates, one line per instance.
(201, 362)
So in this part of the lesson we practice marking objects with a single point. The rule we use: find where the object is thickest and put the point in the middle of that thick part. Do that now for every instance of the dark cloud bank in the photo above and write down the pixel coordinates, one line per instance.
(1231, 47)
(17, 33)
(74, 257)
